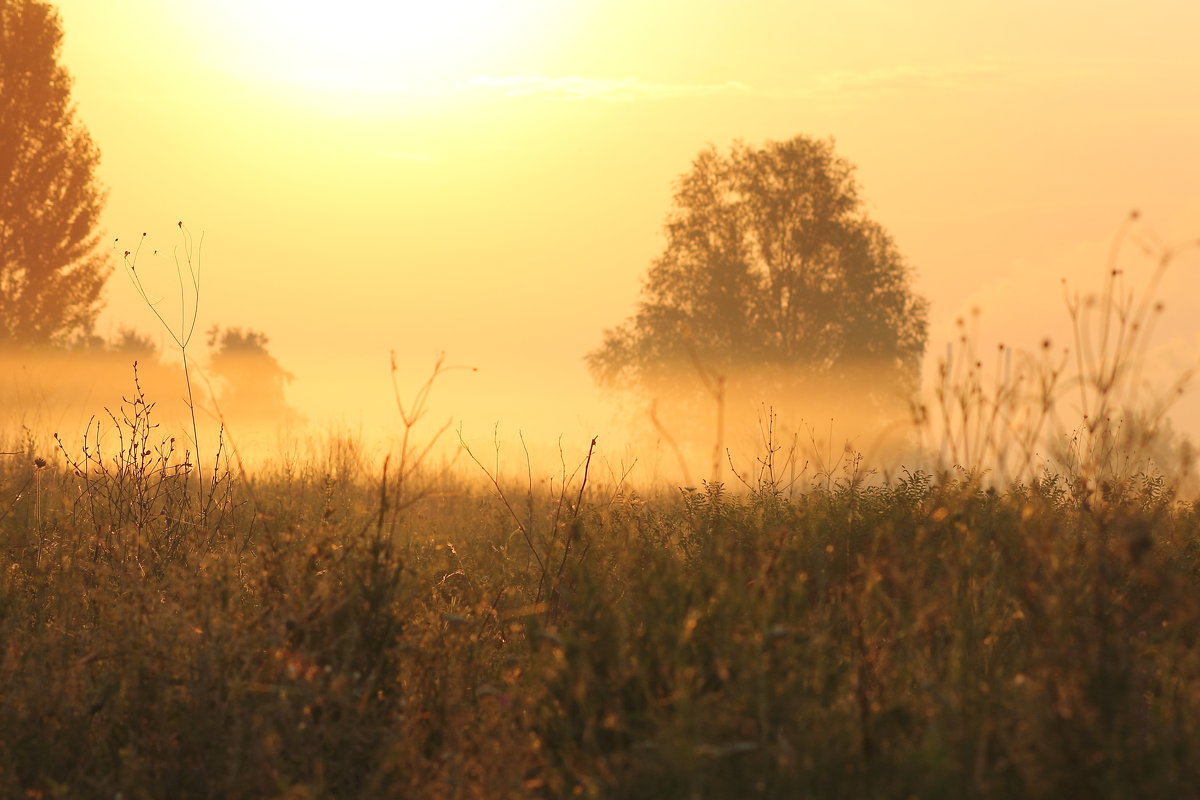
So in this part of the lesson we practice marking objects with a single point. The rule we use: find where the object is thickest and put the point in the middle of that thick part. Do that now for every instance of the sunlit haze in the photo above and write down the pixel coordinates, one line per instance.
(326, 53)
(599, 398)
(491, 179)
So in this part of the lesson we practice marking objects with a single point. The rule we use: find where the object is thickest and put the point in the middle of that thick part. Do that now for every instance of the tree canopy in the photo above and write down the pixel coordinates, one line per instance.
(771, 265)
(252, 382)
(51, 268)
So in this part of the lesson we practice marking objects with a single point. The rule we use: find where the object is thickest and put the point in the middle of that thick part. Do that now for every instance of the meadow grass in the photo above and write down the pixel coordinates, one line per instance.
(287, 636)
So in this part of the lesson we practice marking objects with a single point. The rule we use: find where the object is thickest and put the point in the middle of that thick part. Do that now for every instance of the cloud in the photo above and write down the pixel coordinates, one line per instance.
(900, 78)
(905, 78)
(574, 87)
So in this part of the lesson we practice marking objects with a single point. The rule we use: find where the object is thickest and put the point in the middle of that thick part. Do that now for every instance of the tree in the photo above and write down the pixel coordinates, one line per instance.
(51, 270)
(771, 267)
(252, 381)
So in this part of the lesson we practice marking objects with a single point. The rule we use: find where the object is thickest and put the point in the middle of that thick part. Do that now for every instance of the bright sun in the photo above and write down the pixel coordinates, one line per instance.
(372, 46)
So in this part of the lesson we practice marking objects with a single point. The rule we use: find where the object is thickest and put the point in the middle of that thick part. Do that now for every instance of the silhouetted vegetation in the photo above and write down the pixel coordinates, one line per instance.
(51, 270)
(1004, 624)
(288, 636)
(324, 628)
(772, 268)
(251, 382)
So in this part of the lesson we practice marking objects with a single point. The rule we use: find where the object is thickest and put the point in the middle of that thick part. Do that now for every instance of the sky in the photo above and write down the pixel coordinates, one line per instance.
(490, 179)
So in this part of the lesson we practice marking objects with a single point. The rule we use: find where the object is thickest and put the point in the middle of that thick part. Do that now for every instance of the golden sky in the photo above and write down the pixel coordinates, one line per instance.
(491, 178)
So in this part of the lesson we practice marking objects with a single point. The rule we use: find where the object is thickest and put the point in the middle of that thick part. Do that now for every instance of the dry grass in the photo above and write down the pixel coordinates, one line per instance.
(926, 638)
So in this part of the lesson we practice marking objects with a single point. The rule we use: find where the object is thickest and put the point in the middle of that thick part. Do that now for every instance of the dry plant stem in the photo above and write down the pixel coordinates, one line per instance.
(826, 466)
(187, 324)
(245, 477)
(493, 477)
(1109, 359)
(556, 523)
(140, 502)
(383, 497)
(548, 582)
(1006, 422)
(768, 479)
(565, 482)
(528, 472)
(410, 457)
(619, 483)
(1023, 427)
(742, 479)
(572, 528)
(981, 424)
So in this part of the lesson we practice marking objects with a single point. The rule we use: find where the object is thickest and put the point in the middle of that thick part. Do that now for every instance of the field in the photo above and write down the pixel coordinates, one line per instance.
(768, 467)
(326, 628)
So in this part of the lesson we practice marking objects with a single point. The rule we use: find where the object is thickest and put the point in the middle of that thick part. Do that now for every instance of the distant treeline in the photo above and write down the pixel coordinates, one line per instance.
(62, 386)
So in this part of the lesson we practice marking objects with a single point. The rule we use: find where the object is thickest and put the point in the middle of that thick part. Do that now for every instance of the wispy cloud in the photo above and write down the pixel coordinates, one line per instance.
(574, 87)
(904, 78)
(900, 78)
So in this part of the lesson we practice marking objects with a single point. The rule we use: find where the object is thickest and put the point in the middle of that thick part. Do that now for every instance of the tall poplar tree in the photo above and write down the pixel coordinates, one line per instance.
(52, 269)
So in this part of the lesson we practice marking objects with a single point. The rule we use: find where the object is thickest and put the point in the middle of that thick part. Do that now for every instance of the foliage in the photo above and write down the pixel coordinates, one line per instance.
(252, 382)
(51, 272)
(771, 264)
(129, 342)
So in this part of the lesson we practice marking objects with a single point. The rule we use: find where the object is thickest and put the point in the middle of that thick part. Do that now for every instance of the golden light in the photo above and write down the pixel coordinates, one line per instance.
(369, 46)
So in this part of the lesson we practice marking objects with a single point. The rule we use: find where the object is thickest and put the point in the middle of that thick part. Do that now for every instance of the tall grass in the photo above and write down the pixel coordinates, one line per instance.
(927, 638)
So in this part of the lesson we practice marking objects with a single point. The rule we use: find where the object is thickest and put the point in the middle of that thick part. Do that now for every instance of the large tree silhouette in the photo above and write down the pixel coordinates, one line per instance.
(51, 269)
(771, 266)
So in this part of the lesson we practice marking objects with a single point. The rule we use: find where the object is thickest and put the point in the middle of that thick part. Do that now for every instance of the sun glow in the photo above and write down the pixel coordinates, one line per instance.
(369, 46)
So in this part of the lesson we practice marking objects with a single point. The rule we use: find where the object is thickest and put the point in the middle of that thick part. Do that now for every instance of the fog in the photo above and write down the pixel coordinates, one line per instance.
(504, 216)
(1011, 409)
